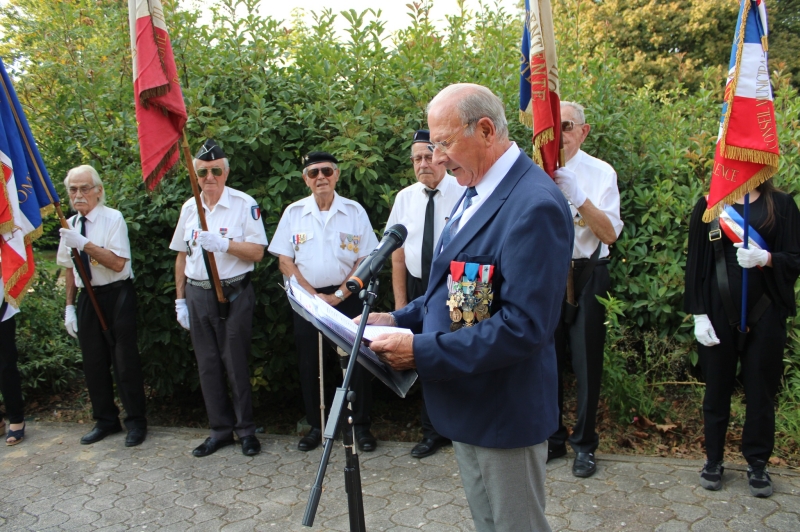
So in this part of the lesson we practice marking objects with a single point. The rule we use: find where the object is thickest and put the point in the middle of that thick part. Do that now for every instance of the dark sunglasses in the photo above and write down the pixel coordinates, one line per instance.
(216, 171)
(569, 125)
(327, 171)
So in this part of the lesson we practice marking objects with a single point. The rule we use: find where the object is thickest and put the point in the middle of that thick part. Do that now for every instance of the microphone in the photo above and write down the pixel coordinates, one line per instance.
(393, 238)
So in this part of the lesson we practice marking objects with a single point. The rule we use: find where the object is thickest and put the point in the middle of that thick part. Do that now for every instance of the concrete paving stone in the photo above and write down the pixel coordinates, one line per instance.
(112, 517)
(133, 503)
(689, 513)
(176, 514)
(673, 526)
(582, 521)
(596, 486)
(175, 527)
(784, 522)
(205, 513)
(709, 524)
(239, 511)
(271, 510)
(289, 496)
(50, 519)
(723, 510)
(646, 497)
(222, 498)
(100, 504)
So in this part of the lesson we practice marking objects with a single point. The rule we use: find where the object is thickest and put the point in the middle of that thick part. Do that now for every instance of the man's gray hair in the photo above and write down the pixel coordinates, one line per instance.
(477, 102)
(96, 181)
(578, 109)
(335, 167)
(224, 163)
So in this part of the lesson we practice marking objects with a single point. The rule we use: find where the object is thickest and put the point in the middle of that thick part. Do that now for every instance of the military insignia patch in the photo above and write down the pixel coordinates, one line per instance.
(255, 212)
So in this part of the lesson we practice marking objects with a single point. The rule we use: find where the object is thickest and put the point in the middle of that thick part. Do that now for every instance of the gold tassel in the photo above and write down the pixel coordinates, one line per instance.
(33, 235)
(544, 137)
(16, 302)
(750, 155)
(6, 228)
(765, 43)
(47, 210)
(746, 188)
(526, 118)
(149, 179)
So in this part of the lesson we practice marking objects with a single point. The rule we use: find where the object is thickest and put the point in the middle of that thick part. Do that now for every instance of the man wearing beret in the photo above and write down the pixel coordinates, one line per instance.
(237, 239)
(423, 208)
(320, 241)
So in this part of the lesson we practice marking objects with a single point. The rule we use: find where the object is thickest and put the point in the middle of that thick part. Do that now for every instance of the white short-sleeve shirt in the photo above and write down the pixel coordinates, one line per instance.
(236, 216)
(324, 249)
(409, 209)
(106, 228)
(598, 180)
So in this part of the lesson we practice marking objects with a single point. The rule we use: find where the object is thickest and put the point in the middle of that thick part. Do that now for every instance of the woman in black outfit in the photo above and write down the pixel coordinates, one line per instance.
(772, 274)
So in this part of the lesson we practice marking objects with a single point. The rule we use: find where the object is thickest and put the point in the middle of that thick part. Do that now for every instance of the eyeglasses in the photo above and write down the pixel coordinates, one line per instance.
(417, 159)
(216, 171)
(84, 189)
(327, 171)
(447, 143)
(569, 125)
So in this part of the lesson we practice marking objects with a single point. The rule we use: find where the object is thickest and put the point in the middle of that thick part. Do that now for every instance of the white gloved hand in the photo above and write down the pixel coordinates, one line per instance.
(751, 257)
(704, 331)
(567, 181)
(212, 242)
(73, 238)
(183, 313)
(71, 321)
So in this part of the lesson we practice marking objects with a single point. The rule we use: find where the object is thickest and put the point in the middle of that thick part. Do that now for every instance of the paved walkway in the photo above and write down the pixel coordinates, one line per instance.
(51, 482)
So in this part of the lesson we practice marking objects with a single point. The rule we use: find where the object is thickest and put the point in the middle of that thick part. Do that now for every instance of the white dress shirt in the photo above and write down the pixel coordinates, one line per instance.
(106, 228)
(236, 216)
(324, 247)
(598, 180)
(409, 209)
(486, 186)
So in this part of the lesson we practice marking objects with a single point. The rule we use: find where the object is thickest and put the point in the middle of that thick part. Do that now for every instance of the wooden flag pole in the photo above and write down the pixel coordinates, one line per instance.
(201, 214)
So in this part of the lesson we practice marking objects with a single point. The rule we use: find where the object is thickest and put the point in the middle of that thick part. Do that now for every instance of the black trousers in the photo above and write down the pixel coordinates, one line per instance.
(10, 381)
(413, 291)
(221, 348)
(118, 304)
(584, 339)
(306, 338)
(762, 368)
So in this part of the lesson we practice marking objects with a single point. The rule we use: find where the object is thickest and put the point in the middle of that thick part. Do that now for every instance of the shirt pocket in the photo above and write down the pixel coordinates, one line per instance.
(348, 247)
(302, 245)
(232, 233)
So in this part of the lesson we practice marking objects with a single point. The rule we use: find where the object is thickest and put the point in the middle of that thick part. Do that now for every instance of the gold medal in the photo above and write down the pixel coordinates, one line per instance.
(93, 261)
(455, 326)
(297, 248)
(481, 316)
(455, 315)
(355, 249)
(469, 317)
(580, 222)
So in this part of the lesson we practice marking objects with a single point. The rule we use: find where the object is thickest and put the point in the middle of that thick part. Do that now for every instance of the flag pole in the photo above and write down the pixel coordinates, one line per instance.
(201, 214)
(745, 240)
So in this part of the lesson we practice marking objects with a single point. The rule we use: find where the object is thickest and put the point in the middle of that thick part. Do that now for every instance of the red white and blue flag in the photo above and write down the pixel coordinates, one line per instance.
(27, 194)
(539, 100)
(160, 111)
(747, 147)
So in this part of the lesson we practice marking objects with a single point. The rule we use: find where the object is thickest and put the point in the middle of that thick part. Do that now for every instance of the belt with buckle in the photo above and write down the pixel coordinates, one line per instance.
(206, 284)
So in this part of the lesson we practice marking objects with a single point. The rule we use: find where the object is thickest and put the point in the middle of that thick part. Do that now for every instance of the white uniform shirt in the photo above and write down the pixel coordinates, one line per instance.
(486, 186)
(324, 250)
(106, 228)
(409, 209)
(236, 216)
(598, 180)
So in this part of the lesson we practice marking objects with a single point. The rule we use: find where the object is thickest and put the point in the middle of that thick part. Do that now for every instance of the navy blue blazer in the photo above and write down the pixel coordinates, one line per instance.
(495, 384)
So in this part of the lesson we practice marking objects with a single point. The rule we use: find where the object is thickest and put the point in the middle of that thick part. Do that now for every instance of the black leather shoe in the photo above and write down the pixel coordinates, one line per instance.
(556, 451)
(310, 441)
(135, 437)
(427, 447)
(250, 446)
(97, 434)
(584, 465)
(366, 441)
(210, 446)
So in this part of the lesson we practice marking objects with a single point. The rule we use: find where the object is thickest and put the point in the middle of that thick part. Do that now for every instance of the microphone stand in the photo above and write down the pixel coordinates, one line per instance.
(341, 416)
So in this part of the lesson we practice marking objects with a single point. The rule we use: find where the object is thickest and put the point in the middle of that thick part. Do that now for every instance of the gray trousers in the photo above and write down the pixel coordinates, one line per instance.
(222, 346)
(504, 487)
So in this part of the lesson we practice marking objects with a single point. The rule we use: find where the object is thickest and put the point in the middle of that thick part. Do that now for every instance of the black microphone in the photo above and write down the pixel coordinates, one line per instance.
(393, 238)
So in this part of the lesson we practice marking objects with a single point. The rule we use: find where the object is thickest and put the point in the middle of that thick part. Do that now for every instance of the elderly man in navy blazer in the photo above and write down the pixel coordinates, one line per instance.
(483, 343)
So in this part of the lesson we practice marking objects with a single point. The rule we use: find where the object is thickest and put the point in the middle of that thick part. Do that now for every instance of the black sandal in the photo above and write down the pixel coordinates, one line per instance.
(18, 435)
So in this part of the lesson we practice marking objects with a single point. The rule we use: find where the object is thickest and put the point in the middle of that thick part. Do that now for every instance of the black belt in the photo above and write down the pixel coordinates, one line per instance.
(110, 286)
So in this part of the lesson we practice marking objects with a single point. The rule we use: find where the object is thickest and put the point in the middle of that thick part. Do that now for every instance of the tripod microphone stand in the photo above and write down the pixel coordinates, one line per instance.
(341, 418)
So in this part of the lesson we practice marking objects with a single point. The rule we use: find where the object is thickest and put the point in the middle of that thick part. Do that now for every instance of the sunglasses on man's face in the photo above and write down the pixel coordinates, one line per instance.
(216, 171)
(327, 171)
(569, 125)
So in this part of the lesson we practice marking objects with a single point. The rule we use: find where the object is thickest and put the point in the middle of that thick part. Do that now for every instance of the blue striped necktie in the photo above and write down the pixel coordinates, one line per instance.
(449, 228)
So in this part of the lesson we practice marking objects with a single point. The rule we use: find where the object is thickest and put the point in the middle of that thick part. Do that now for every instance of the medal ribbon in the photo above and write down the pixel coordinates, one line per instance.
(471, 270)
(487, 270)
(457, 270)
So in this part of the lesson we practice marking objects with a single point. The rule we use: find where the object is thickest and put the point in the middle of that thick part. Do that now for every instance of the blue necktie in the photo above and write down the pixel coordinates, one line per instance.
(84, 255)
(449, 228)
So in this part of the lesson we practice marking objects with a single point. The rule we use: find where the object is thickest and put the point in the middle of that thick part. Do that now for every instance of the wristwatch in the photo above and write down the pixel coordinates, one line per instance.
(339, 294)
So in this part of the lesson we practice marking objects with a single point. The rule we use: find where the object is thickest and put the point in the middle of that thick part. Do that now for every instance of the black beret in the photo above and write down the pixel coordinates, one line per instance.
(422, 135)
(314, 157)
(209, 151)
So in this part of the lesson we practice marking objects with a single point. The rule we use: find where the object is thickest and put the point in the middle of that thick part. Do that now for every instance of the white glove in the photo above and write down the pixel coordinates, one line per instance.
(751, 257)
(704, 331)
(73, 238)
(71, 321)
(567, 181)
(212, 242)
(183, 313)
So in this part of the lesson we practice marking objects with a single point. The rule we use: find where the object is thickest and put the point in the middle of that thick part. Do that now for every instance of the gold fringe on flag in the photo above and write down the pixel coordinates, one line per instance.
(526, 118)
(6, 227)
(753, 156)
(746, 188)
(765, 43)
(15, 302)
(167, 156)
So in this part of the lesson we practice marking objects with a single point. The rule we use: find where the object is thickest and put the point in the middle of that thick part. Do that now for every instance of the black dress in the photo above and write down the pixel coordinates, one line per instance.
(762, 357)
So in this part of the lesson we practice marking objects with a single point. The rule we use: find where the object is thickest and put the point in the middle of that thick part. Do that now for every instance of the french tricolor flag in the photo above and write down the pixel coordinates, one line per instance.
(747, 149)
(160, 111)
